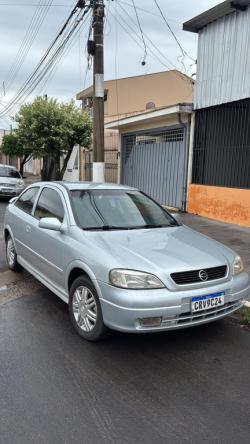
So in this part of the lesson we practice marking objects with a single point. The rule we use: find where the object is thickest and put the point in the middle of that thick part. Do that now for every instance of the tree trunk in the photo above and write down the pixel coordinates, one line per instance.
(65, 162)
(48, 170)
(24, 160)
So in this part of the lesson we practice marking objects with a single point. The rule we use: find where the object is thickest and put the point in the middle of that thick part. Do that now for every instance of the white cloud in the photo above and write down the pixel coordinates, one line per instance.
(69, 77)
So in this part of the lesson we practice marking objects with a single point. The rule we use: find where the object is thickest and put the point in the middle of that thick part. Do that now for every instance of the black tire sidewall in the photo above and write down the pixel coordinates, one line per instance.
(100, 330)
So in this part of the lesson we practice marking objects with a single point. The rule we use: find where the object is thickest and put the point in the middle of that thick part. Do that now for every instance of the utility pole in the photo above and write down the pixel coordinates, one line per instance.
(98, 92)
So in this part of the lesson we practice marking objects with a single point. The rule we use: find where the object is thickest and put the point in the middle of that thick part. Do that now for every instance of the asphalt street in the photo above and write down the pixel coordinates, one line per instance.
(190, 386)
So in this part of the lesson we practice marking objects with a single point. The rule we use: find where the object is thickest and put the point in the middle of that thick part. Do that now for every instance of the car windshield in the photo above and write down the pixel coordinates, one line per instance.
(118, 209)
(9, 172)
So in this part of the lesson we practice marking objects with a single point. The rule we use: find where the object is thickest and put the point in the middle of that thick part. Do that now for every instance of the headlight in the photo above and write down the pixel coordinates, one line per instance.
(132, 279)
(20, 184)
(238, 266)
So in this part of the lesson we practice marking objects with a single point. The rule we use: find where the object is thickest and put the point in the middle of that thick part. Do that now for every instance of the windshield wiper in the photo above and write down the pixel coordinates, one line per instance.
(132, 227)
(109, 228)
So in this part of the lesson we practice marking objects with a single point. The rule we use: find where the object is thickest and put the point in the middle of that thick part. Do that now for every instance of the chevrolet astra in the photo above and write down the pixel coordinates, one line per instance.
(119, 260)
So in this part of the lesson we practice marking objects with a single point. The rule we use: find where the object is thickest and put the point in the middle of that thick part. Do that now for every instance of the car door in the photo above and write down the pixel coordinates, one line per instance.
(49, 245)
(21, 221)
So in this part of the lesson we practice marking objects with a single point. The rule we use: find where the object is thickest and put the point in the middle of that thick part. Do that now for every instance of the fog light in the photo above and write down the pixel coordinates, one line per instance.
(150, 322)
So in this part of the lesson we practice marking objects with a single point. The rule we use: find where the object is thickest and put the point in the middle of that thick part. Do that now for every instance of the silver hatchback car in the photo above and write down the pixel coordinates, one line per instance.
(11, 182)
(120, 260)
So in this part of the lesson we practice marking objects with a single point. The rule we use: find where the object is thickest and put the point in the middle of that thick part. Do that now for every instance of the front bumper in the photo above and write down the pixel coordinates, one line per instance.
(125, 309)
(10, 192)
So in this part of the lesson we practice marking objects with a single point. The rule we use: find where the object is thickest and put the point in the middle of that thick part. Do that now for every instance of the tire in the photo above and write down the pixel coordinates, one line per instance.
(85, 310)
(11, 256)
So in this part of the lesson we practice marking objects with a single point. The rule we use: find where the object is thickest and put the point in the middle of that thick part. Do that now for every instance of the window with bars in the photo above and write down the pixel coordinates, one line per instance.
(166, 136)
(222, 145)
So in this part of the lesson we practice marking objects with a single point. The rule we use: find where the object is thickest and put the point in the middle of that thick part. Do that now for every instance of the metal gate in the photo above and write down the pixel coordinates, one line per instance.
(156, 163)
(111, 165)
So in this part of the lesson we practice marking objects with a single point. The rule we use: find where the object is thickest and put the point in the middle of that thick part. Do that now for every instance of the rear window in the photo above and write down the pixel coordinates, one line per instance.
(9, 172)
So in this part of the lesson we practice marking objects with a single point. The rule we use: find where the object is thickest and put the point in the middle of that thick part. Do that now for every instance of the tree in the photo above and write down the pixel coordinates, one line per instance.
(50, 130)
(12, 147)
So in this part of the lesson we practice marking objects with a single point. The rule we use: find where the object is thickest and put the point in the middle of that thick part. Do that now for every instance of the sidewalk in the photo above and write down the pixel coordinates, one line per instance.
(31, 178)
(233, 236)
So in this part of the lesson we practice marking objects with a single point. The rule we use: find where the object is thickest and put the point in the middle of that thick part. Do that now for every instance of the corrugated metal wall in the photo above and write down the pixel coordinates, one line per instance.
(223, 71)
(155, 162)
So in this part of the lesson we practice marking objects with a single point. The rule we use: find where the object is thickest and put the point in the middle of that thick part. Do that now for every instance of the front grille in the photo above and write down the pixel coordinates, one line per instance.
(7, 185)
(192, 277)
(185, 319)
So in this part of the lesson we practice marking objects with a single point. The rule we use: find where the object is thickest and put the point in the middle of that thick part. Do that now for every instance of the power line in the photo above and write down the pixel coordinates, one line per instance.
(142, 35)
(127, 26)
(147, 11)
(51, 74)
(32, 5)
(50, 56)
(184, 53)
(145, 36)
(29, 38)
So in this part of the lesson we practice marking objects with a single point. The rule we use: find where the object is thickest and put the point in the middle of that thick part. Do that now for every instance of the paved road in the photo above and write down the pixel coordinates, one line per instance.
(190, 386)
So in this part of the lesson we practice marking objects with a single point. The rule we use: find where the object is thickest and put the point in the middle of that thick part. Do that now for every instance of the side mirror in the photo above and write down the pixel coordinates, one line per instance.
(177, 217)
(50, 223)
(13, 200)
(24, 177)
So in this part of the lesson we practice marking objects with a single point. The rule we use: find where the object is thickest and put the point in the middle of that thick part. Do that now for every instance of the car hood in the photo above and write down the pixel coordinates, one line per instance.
(170, 249)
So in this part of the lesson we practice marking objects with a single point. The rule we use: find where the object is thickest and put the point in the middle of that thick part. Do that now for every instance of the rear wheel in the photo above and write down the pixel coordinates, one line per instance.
(11, 256)
(85, 310)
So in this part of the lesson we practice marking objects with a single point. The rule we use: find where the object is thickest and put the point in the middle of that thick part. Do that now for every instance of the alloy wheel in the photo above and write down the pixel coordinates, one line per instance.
(10, 252)
(84, 308)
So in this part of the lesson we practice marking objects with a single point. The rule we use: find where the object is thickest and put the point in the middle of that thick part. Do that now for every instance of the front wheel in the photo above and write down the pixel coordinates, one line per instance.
(11, 256)
(85, 310)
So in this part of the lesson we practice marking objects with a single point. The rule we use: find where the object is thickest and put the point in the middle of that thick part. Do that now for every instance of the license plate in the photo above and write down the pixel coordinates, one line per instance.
(207, 302)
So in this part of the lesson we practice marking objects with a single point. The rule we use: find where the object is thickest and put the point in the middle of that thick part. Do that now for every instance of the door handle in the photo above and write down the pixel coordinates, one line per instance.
(28, 228)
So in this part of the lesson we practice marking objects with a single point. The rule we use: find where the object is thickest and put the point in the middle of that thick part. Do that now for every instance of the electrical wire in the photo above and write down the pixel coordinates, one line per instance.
(27, 42)
(127, 26)
(145, 36)
(54, 58)
(184, 53)
(136, 38)
(52, 73)
(51, 54)
(142, 35)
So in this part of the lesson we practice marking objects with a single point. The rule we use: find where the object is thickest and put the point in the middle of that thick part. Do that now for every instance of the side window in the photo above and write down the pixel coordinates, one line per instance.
(49, 205)
(27, 199)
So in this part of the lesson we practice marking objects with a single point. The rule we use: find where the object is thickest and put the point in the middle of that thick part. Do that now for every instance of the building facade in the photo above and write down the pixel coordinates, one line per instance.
(220, 179)
(154, 152)
(128, 97)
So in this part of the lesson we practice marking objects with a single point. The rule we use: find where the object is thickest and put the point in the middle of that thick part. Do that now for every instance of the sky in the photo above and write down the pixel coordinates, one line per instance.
(124, 50)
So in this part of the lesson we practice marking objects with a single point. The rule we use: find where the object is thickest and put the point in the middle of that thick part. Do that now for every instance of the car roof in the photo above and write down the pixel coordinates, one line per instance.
(7, 166)
(87, 185)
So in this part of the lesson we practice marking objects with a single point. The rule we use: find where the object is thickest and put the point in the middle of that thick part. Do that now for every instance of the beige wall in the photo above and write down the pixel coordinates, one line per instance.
(130, 95)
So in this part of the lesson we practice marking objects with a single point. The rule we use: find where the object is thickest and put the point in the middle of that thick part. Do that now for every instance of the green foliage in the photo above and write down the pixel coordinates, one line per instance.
(49, 130)
(246, 316)
(11, 146)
